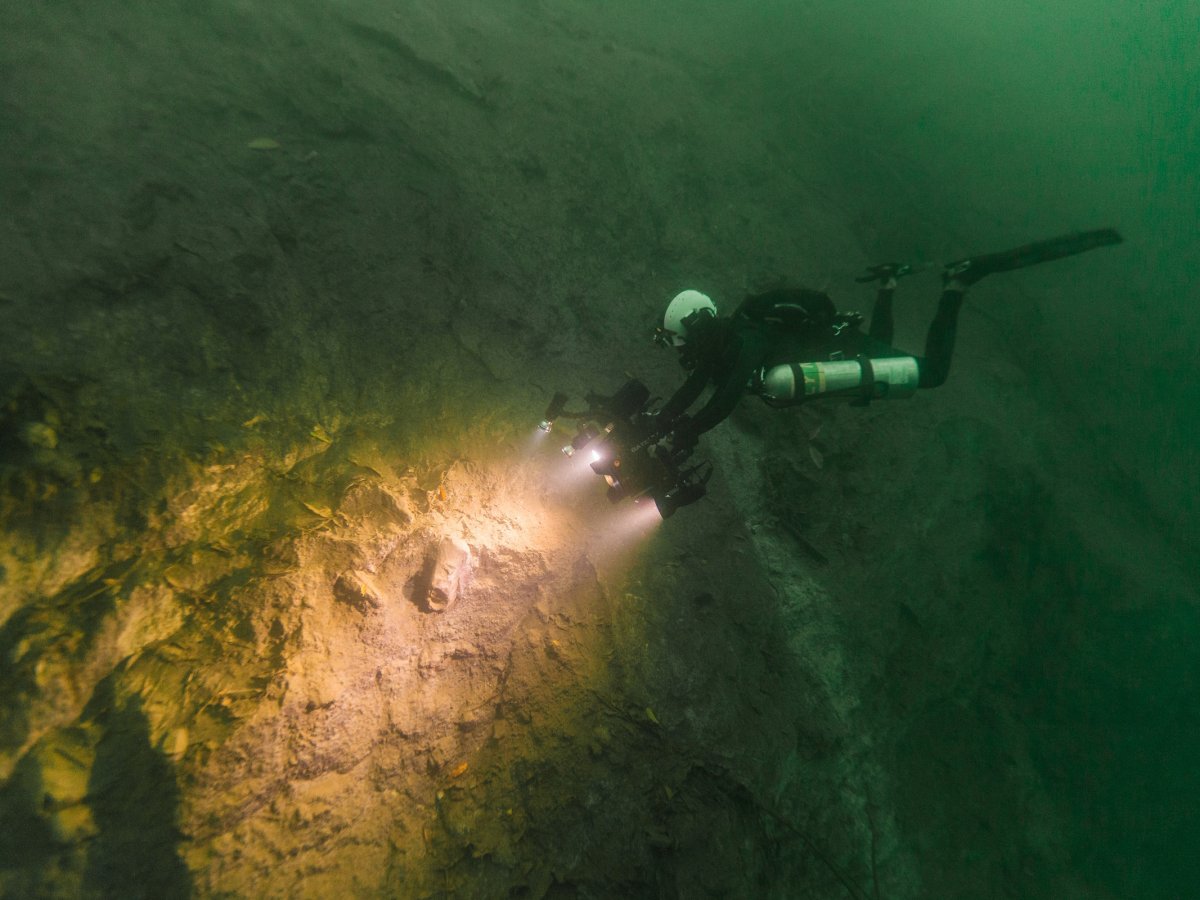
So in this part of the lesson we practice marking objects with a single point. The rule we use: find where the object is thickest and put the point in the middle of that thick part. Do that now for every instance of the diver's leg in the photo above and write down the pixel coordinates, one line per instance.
(882, 324)
(934, 366)
(970, 270)
(958, 276)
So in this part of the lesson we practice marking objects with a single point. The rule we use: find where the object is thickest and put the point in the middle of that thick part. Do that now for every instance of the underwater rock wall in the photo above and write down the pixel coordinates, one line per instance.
(303, 269)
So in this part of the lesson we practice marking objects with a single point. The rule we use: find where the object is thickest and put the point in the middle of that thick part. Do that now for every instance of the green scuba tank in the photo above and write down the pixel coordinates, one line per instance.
(862, 380)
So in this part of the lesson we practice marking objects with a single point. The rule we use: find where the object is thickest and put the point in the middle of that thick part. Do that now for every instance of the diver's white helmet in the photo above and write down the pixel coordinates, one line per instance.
(685, 304)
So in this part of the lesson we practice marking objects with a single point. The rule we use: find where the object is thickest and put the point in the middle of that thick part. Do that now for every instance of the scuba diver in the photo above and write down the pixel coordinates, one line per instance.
(791, 345)
(785, 346)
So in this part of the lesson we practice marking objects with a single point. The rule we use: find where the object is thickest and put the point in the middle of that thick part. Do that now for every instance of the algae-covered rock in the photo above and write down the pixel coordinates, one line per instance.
(52, 781)
(39, 435)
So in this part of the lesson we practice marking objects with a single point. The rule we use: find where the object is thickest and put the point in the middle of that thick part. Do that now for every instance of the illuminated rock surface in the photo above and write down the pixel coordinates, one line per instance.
(292, 603)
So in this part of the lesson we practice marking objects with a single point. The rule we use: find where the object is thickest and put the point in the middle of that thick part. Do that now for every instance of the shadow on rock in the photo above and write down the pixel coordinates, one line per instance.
(134, 802)
(26, 843)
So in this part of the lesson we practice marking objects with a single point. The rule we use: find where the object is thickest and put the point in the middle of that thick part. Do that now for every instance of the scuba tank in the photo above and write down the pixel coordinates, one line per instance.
(861, 380)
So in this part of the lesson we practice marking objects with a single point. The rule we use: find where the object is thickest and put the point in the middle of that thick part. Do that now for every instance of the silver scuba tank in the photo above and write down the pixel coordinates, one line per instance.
(890, 378)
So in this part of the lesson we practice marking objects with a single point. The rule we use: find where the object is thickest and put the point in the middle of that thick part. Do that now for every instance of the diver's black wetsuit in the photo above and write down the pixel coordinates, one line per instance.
(934, 366)
(788, 326)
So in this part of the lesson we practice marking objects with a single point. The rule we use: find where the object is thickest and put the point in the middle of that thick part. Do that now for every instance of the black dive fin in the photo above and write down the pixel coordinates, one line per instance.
(973, 268)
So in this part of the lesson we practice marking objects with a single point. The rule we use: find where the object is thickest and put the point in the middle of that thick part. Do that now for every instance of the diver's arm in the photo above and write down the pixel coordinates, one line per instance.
(752, 347)
(882, 327)
(687, 394)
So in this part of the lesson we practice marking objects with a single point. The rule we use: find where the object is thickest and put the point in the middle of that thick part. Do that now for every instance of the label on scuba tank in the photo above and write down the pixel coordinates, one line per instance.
(814, 378)
(901, 374)
(892, 377)
(828, 377)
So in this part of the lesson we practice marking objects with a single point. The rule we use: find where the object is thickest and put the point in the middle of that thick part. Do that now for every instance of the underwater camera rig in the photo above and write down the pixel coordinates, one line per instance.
(623, 439)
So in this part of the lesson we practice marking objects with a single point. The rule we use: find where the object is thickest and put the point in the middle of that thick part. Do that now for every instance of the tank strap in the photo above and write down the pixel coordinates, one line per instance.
(866, 389)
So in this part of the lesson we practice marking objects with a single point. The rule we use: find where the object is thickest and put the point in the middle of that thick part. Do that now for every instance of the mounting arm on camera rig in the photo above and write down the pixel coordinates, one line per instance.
(626, 449)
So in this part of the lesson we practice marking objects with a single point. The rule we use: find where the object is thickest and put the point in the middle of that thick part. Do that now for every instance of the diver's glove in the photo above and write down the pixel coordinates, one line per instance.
(658, 422)
(681, 441)
(651, 419)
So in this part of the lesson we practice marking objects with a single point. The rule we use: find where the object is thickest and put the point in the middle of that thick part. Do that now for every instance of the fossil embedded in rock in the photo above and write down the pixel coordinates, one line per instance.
(450, 565)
